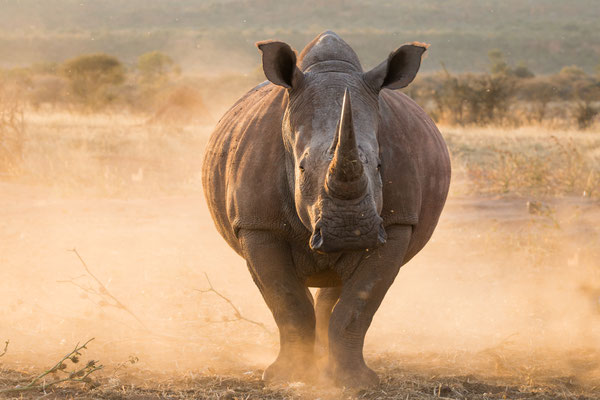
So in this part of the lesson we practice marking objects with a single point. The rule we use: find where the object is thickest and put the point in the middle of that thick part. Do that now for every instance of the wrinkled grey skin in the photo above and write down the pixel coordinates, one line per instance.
(325, 177)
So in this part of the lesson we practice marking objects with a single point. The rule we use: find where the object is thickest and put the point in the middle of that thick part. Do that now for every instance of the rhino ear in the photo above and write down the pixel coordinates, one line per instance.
(399, 69)
(279, 64)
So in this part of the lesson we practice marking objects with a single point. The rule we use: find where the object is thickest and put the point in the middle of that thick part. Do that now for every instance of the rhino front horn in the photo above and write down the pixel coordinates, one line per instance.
(346, 177)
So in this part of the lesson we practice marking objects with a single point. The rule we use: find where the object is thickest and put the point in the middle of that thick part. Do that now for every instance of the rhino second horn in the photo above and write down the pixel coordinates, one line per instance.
(346, 176)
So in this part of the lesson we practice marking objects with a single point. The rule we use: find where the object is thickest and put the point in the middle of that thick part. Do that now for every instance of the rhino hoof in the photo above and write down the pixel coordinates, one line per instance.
(356, 377)
(284, 372)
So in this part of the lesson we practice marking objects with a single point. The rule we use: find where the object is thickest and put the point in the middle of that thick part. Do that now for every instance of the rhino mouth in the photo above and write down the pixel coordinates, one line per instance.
(327, 238)
(316, 240)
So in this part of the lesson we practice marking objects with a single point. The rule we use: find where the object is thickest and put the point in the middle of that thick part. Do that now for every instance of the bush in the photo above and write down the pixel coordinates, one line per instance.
(538, 93)
(468, 98)
(12, 131)
(155, 68)
(94, 78)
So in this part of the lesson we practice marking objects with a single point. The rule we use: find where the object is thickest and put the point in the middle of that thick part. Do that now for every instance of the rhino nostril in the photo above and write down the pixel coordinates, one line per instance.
(382, 236)
(316, 240)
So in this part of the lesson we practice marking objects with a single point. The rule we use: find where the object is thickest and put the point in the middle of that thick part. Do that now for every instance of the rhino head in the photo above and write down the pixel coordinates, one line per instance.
(330, 132)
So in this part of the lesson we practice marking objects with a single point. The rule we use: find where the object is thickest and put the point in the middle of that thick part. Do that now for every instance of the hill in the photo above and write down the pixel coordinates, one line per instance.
(208, 35)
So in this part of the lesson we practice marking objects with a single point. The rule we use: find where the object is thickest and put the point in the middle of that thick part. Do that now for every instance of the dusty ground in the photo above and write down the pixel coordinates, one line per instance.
(504, 302)
(450, 326)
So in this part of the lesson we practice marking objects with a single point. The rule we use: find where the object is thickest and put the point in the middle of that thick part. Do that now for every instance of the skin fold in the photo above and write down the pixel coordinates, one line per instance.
(324, 176)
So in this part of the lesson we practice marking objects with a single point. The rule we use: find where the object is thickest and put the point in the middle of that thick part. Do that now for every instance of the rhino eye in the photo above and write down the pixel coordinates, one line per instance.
(301, 167)
(379, 167)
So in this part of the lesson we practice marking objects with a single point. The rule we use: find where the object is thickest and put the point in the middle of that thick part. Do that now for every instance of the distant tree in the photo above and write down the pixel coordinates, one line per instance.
(490, 97)
(498, 65)
(449, 94)
(573, 71)
(522, 71)
(587, 94)
(49, 68)
(539, 93)
(155, 68)
(94, 77)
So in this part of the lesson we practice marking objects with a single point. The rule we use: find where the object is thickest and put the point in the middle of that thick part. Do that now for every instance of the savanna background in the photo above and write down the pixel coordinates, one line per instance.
(105, 110)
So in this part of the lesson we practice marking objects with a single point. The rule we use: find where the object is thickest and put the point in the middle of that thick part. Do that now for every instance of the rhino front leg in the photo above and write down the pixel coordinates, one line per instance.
(361, 296)
(270, 263)
(325, 301)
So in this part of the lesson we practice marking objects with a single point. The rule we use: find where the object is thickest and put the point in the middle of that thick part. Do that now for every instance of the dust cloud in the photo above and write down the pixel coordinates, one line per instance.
(499, 290)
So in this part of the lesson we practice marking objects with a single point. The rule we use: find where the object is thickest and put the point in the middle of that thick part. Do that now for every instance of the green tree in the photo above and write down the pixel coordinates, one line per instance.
(156, 68)
(522, 71)
(94, 78)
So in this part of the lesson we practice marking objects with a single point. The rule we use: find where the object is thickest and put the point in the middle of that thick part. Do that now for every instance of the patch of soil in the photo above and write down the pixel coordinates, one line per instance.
(396, 383)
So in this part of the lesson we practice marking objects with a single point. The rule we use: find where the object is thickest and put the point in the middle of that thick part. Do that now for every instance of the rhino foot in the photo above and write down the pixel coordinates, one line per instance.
(289, 371)
(355, 377)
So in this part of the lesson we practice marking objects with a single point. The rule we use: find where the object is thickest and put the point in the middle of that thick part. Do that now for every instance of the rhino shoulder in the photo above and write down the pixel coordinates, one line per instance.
(244, 173)
(417, 181)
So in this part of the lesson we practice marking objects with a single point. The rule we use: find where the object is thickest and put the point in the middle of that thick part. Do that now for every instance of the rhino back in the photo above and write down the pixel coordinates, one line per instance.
(243, 174)
(416, 167)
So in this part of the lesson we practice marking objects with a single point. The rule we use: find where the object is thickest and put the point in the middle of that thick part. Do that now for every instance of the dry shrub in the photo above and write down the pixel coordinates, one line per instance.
(521, 165)
(182, 106)
(48, 90)
(585, 113)
(565, 172)
(111, 154)
(12, 132)
(505, 98)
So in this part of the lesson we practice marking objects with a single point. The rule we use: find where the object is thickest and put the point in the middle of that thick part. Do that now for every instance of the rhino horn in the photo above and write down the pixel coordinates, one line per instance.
(346, 177)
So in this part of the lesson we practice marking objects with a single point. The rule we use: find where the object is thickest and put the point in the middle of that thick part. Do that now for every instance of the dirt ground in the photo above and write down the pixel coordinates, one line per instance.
(106, 235)
(503, 303)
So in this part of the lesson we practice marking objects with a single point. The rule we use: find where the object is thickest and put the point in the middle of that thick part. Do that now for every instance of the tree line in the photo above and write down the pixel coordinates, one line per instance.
(504, 95)
(94, 81)
(512, 96)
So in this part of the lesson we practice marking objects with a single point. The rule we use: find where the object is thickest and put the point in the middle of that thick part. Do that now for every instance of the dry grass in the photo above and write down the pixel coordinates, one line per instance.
(12, 131)
(112, 154)
(414, 377)
(123, 155)
(527, 161)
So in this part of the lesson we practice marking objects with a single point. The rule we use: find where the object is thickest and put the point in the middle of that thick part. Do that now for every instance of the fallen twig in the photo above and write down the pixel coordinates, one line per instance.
(131, 360)
(81, 374)
(238, 315)
(108, 299)
(5, 348)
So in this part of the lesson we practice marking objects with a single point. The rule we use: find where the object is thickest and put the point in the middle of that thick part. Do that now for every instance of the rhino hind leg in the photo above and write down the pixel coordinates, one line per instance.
(360, 298)
(326, 299)
(271, 265)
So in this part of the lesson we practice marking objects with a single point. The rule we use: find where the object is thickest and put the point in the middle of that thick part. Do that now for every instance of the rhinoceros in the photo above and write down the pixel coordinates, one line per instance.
(325, 176)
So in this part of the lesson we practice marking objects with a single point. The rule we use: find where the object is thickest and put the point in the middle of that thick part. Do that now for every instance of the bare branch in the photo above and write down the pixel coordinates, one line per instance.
(5, 348)
(236, 312)
(101, 291)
